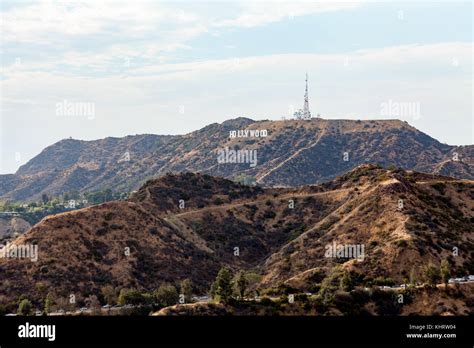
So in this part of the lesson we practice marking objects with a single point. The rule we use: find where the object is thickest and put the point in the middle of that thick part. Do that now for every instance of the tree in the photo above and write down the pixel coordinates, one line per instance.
(330, 284)
(445, 271)
(212, 290)
(242, 283)
(48, 303)
(253, 279)
(25, 307)
(432, 274)
(93, 303)
(223, 285)
(64, 303)
(166, 295)
(131, 297)
(122, 298)
(45, 198)
(186, 289)
(110, 297)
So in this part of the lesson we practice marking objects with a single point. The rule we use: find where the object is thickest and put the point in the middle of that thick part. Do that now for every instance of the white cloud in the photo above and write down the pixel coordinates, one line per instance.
(116, 29)
(257, 13)
(265, 86)
(37, 22)
(88, 37)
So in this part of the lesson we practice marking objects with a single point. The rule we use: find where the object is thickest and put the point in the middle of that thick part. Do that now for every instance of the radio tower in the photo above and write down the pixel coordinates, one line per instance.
(306, 112)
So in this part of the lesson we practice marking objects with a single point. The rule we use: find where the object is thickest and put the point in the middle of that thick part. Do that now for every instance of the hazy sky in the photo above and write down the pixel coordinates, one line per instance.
(173, 67)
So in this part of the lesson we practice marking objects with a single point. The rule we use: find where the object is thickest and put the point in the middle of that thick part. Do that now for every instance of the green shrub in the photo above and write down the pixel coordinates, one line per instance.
(166, 295)
(25, 307)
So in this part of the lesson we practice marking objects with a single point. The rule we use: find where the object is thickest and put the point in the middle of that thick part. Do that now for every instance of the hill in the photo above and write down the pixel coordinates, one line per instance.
(288, 153)
(281, 233)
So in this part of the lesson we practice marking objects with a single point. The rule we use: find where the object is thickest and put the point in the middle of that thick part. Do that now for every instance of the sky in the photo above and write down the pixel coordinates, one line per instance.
(99, 68)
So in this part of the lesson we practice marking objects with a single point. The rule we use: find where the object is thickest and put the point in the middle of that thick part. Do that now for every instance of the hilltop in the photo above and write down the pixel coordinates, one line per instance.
(292, 153)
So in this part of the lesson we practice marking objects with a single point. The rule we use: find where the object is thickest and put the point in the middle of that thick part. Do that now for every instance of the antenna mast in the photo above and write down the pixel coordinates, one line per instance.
(306, 112)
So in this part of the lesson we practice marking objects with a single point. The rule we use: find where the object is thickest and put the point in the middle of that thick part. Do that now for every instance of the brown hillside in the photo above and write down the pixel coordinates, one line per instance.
(82, 251)
(294, 153)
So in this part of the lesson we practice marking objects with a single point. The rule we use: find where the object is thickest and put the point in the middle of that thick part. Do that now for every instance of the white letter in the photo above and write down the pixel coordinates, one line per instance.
(22, 331)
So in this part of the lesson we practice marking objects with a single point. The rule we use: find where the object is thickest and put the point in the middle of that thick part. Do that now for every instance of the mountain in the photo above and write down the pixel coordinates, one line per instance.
(189, 225)
(436, 215)
(293, 153)
(12, 226)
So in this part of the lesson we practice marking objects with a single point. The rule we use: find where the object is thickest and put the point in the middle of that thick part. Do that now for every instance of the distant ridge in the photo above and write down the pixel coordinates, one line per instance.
(294, 153)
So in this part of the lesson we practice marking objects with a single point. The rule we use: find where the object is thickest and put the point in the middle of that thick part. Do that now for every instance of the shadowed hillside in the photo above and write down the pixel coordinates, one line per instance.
(280, 233)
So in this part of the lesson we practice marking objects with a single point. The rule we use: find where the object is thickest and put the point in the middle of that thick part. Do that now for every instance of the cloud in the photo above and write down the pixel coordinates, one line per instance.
(89, 37)
(435, 59)
(451, 59)
(93, 35)
(40, 22)
(258, 13)
(263, 86)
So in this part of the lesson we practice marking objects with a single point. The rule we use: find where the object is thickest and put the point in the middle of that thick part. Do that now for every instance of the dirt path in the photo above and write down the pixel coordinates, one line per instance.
(283, 197)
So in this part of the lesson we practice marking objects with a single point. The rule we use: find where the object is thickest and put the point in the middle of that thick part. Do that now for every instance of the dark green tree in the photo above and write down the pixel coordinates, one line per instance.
(445, 271)
(186, 289)
(223, 286)
(242, 283)
(166, 295)
(131, 297)
(45, 198)
(432, 274)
